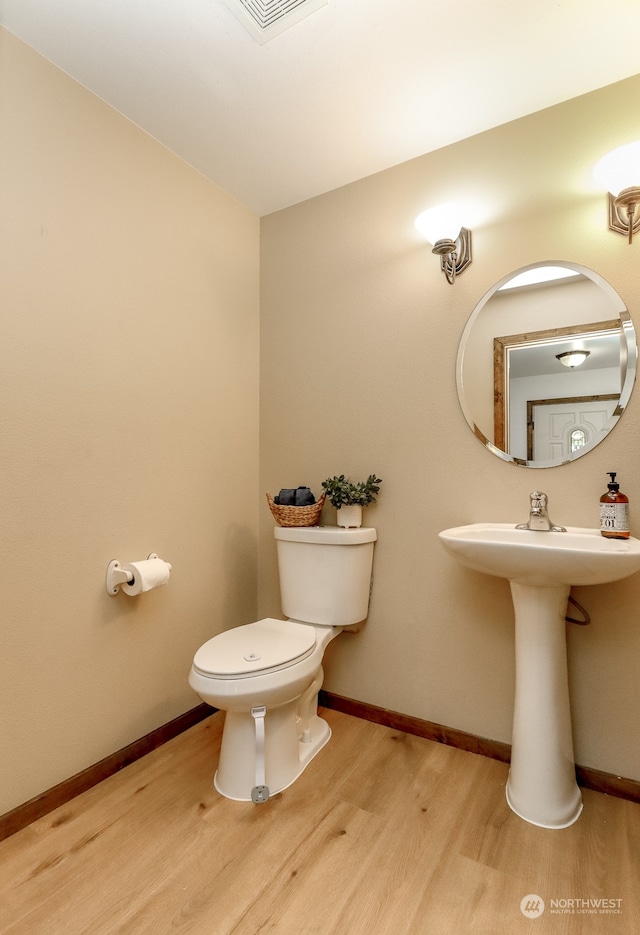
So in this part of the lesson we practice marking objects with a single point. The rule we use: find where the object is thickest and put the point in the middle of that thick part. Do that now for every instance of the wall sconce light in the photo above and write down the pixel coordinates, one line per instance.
(619, 174)
(451, 241)
(573, 358)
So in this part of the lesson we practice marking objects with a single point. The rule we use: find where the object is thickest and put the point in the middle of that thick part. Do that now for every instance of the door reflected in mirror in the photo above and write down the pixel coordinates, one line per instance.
(521, 393)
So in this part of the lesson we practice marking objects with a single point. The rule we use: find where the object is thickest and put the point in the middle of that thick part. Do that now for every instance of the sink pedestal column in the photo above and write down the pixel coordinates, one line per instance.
(542, 785)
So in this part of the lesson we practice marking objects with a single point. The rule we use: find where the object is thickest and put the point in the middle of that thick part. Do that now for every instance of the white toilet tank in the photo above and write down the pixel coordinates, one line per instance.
(325, 573)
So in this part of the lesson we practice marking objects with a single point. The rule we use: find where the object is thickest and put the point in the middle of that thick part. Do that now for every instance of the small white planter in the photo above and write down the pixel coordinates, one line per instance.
(350, 517)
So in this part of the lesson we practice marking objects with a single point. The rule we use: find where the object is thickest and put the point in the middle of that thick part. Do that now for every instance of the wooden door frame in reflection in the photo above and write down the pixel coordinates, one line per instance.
(501, 347)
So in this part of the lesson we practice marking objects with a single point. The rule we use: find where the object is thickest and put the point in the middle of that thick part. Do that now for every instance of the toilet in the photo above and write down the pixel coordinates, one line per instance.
(266, 675)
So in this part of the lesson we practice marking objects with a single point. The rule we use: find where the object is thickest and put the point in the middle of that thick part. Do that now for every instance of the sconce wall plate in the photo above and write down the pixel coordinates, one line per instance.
(619, 216)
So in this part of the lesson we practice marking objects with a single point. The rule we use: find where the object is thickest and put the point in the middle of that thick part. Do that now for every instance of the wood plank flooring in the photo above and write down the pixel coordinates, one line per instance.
(385, 833)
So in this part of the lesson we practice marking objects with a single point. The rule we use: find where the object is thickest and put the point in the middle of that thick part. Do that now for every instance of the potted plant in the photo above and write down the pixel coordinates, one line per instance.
(348, 498)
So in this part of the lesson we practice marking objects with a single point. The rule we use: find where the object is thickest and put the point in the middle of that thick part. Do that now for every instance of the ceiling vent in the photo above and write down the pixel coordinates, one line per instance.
(265, 19)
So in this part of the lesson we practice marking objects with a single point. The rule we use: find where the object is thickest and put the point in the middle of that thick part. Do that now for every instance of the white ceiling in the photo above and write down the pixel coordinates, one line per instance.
(355, 87)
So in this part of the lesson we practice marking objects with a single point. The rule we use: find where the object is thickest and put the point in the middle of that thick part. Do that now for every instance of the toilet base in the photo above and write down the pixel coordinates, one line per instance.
(290, 744)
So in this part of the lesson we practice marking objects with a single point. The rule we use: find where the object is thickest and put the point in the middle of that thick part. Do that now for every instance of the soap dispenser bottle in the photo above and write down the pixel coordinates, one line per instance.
(614, 511)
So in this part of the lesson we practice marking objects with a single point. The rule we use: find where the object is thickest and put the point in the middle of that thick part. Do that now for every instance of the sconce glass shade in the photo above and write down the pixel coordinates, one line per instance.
(440, 223)
(619, 169)
(573, 358)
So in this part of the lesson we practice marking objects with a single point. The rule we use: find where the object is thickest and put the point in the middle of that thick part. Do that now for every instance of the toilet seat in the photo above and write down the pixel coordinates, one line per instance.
(255, 649)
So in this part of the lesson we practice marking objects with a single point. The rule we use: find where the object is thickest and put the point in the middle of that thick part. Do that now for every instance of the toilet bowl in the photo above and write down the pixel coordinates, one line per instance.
(287, 687)
(266, 675)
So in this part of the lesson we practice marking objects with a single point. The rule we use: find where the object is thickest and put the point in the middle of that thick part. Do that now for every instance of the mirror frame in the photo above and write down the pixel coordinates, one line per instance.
(629, 357)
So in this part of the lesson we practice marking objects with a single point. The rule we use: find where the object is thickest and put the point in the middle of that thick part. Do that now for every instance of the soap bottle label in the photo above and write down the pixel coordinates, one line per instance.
(614, 518)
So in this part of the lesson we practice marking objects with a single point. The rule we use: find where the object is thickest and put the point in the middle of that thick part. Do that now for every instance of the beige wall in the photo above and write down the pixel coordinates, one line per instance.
(359, 332)
(128, 423)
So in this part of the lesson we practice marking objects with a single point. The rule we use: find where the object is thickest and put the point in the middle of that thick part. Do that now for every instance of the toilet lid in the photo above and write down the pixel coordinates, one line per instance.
(255, 647)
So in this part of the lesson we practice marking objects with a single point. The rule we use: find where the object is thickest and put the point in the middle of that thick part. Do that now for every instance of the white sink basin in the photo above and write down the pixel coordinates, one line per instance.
(541, 567)
(543, 559)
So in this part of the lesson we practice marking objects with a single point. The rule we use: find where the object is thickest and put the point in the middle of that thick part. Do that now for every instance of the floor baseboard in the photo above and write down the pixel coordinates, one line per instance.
(587, 777)
(44, 803)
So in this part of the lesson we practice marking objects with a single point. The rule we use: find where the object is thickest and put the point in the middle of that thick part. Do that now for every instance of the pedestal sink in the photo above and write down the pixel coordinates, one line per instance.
(541, 567)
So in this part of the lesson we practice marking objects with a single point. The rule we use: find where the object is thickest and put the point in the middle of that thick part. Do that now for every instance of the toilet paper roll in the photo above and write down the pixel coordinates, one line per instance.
(151, 573)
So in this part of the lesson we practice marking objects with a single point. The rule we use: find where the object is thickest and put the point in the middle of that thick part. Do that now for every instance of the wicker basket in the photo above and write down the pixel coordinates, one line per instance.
(296, 515)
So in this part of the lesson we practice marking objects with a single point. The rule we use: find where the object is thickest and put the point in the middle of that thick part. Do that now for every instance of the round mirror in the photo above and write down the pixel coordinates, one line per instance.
(546, 364)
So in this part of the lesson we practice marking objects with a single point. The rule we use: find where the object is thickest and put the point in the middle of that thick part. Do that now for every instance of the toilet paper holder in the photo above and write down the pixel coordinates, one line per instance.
(116, 575)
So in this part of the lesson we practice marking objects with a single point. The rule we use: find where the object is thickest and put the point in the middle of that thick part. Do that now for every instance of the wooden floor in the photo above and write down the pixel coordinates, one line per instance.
(384, 834)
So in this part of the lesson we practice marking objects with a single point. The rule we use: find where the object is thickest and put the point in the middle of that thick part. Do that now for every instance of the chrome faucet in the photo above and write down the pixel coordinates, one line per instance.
(539, 516)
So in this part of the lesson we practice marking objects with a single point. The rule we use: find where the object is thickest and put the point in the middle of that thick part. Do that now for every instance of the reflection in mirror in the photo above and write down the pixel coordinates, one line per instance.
(520, 393)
